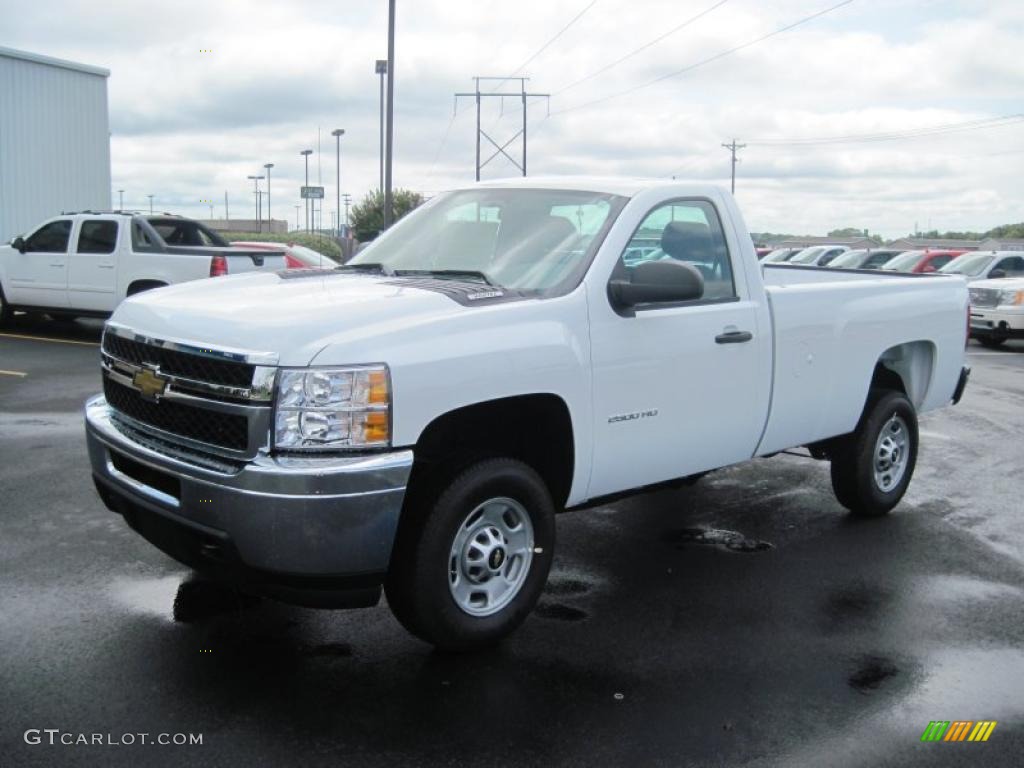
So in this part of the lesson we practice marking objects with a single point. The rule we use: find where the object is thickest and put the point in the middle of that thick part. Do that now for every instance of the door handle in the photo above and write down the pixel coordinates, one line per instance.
(57, 265)
(733, 337)
(105, 266)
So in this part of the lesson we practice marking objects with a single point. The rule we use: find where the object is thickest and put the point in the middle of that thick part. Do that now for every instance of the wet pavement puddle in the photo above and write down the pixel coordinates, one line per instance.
(729, 541)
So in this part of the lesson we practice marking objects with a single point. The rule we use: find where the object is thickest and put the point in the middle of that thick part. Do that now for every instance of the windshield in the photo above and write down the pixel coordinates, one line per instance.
(530, 240)
(970, 264)
(904, 262)
(850, 259)
(779, 254)
(186, 232)
(807, 256)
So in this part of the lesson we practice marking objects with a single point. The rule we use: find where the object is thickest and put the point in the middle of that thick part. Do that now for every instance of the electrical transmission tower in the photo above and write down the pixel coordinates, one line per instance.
(733, 148)
(479, 95)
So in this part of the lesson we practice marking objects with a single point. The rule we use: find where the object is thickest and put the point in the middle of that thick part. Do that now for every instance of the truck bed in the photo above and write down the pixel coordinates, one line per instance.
(830, 328)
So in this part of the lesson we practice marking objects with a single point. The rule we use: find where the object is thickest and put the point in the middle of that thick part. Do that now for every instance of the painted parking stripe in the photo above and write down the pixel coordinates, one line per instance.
(13, 373)
(49, 339)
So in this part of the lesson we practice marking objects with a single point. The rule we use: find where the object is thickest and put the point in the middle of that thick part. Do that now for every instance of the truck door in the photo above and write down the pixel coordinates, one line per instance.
(92, 274)
(678, 388)
(39, 276)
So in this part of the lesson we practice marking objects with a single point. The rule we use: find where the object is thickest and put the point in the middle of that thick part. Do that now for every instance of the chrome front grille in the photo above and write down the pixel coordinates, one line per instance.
(201, 399)
(984, 297)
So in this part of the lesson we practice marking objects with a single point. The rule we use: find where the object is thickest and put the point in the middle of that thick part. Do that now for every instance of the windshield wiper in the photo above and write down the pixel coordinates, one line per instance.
(452, 273)
(370, 266)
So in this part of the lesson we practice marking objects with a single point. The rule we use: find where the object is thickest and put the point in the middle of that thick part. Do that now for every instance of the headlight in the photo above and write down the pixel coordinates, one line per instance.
(329, 408)
(1011, 298)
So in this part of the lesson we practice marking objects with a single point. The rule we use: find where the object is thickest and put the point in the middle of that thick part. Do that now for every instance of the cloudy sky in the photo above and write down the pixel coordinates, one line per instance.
(188, 125)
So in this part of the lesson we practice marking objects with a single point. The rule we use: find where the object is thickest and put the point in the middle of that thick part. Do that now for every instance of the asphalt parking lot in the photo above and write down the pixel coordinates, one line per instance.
(797, 636)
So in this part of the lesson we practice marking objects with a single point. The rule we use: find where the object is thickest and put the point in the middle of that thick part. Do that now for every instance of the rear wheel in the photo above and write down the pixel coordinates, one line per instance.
(872, 467)
(990, 341)
(472, 557)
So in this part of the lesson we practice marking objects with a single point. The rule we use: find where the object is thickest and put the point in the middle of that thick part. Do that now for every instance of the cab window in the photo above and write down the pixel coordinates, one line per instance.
(50, 238)
(97, 236)
(688, 231)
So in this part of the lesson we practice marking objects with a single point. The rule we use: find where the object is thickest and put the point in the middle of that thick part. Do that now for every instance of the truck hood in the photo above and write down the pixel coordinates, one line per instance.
(293, 314)
(1001, 283)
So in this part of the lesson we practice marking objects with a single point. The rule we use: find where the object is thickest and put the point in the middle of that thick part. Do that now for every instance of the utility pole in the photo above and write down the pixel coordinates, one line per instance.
(256, 191)
(348, 201)
(381, 68)
(270, 219)
(390, 118)
(297, 217)
(120, 199)
(150, 204)
(227, 215)
(478, 96)
(211, 211)
(733, 148)
(306, 153)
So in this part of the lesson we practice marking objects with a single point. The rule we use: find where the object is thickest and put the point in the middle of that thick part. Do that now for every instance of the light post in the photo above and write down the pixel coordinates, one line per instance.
(306, 153)
(297, 217)
(120, 199)
(150, 204)
(337, 133)
(390, 117)
(270, 219)
(256, 191)
(381, 69)
(211, 211)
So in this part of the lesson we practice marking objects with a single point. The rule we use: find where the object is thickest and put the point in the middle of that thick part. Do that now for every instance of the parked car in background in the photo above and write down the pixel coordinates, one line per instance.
(920, 262)
(85, 264)
(780, 255)
(863, 259)
(762, 251)
(817, 256)
(986, 265)
(997, 310)
(296, 256)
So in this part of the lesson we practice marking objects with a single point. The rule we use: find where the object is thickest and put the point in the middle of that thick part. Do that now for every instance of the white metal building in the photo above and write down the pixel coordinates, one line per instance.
(54, 139)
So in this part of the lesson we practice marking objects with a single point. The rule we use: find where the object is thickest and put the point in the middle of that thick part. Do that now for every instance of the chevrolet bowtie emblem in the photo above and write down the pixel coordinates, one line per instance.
(149, 383)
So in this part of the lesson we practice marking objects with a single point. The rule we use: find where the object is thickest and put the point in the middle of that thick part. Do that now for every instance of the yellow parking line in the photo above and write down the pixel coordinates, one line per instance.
(13, 373)
(47, 338)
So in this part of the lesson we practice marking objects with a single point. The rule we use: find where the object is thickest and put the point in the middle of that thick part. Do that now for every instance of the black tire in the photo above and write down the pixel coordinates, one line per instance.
(417, 586)
(853, 461)
(990, 341)
(6, 313)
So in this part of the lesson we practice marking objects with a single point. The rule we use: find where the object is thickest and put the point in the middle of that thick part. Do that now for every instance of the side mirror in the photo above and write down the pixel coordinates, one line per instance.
(660, 281)
(996, 274)
(19, 243)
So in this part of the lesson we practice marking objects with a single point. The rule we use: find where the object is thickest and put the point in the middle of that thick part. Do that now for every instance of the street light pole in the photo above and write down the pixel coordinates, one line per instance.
(150, 204)
(306, 153)
(337, 133)
(390, 128)
(120, 199)
(297, 217)
(270, 219)
(381, 68)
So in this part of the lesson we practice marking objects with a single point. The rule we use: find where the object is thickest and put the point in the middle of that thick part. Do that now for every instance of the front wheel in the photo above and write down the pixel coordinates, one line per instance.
(472, 558)
(872, 467)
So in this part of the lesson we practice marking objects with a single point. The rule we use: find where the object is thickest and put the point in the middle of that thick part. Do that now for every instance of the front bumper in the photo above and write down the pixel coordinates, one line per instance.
(1005, 323)
(314, 531)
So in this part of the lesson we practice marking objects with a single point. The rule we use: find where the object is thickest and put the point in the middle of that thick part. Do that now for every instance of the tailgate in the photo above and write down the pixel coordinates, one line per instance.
(239, 259)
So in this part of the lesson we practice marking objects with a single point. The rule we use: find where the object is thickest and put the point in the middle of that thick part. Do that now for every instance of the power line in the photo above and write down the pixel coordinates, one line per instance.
(546, 45)
(703, 62)
(912, 133)
(642, 48)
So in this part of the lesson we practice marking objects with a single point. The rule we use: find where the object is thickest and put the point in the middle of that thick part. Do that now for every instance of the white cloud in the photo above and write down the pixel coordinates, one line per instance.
(190, 125)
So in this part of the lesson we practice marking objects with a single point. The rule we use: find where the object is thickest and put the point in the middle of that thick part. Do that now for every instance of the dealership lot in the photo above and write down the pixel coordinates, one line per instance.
(744, 621)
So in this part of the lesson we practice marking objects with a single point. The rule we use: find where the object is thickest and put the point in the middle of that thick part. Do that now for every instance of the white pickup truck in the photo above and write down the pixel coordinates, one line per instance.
(414, 419)
(85, 264)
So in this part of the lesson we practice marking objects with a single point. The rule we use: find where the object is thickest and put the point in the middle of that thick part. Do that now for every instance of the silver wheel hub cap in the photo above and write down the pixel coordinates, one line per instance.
(490, 556)
(892, 452)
